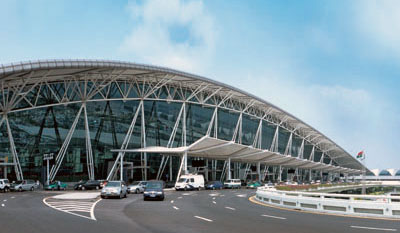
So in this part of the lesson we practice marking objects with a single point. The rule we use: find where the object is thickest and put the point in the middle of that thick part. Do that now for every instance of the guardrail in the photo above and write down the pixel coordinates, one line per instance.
(360, 205)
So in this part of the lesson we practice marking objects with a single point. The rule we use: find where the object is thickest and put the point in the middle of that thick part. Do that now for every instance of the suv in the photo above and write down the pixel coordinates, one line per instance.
(233, 183)
(23, 185)
(4, 185)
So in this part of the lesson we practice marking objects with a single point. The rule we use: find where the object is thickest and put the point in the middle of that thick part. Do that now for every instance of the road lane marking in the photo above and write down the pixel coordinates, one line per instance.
(172, 201)
(374, 228)
(205, 219)
(213, 198)
(12, 197)
(270, 216)
(229, 208)
(5, 200)
(241, 195)
(2, 205)
(179, 197)
(175, 207)
(214, 202)
(71, 207)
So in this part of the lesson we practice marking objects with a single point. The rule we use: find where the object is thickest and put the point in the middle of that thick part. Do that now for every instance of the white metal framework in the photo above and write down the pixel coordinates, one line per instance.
(23, 85)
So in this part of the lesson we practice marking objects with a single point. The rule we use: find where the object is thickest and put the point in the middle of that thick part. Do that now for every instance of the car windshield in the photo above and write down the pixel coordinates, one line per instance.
(18, 182)
(154, 185)
(182, 180)
(135, 183)
(113, 184)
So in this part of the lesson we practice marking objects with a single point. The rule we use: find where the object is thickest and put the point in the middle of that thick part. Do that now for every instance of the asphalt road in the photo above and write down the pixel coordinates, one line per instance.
(202, 211)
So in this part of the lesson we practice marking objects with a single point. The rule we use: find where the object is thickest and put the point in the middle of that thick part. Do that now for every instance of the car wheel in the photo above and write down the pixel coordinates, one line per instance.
(32, 188)
(83, 188)
(52, 189)
(137, 191)
(125, 195)
(97, 187)
(6, 189)
(120, 195)
(20, 189)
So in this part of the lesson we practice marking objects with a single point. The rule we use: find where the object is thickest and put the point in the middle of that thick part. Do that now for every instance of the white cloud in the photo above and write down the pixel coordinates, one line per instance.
(152, 40)
(380, 21)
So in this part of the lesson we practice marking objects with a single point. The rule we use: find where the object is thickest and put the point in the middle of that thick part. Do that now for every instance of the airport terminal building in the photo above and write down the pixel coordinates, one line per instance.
(159, 122)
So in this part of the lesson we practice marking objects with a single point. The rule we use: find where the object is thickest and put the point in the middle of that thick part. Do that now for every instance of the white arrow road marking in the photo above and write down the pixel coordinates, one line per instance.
(374, 228)
(270, 216)
(214, 202)
(73, 207)
(229, 208)
(205, 219)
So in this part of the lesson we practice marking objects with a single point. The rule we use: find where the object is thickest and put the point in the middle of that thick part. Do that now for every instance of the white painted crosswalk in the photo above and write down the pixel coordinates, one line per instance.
(80, 208)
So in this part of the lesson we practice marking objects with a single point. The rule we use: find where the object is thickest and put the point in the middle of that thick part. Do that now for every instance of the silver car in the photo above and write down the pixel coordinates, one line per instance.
(137, 187)
(23, 185)
(114, 189)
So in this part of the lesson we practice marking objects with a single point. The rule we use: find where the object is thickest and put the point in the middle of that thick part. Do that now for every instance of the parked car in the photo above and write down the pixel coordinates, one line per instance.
(269, 185)
(103, 183)
(190, 182)
(233, 183)
(214, 185)
(78, 186)
(56, 185)
(154, 190)
(4, 185)
(137, 187)
(91, 184)
(253, 185)
(114, 189)
(23, 185)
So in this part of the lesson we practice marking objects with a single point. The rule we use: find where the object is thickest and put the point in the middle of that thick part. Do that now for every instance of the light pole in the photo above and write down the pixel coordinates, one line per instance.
(47, 157)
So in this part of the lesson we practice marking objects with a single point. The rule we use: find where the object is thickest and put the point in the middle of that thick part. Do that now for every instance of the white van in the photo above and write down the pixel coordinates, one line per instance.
(190, 182)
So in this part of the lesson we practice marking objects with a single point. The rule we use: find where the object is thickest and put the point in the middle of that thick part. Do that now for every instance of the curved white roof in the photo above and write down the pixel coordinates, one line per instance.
(30, 71)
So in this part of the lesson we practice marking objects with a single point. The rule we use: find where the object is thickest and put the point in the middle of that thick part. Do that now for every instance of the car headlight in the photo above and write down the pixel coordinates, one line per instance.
(159, 192)
(145, 192)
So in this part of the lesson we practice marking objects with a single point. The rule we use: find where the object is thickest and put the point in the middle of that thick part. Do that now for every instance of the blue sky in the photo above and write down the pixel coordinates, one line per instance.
(333, 64)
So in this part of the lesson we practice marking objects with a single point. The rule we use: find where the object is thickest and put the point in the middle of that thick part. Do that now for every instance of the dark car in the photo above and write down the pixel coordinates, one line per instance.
(214, 185)
(78, 186)
(90, 184)
(154, 190)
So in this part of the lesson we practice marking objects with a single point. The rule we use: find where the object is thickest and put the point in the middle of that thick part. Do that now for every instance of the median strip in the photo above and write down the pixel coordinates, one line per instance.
(374, 228)
(205, 219)
(270, 216)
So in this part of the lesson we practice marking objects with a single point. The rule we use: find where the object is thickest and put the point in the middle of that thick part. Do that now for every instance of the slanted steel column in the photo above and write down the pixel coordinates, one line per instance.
(259, 171)
(184, 136)
(214, 169)
(89, 153)
(274, 144)
(144, 154)
(17, 165)
(61, 154)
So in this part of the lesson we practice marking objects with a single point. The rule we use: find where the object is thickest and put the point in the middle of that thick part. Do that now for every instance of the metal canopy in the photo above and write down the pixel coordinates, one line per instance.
(213, 148)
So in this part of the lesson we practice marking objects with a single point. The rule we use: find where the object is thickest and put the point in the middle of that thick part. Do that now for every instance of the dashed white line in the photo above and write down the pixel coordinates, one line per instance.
(2, 205)
(179, 197)
(374, 228)
(205, 219)
(172, 201)
(5, 200)
(12, 197)
(214, 202)
(176, 208)
(213, 198)
(229, 208)
(270, 216)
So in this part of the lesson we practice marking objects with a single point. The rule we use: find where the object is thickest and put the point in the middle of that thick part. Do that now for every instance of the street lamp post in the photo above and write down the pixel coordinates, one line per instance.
(48, 157)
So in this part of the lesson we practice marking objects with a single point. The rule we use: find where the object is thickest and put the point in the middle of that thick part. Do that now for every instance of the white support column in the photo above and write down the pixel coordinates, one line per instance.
(212, 122)
(144, 155)
(17, 165)
(185, 168)
(184, 136)
(60, 156)
(280, 174)
(274, 144)
(259, 171)
(300, 155)
(2, 120)
(229, 169)
(288, 149)
(89, 152)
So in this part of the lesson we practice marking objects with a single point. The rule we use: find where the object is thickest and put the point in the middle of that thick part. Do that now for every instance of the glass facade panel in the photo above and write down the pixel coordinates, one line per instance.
(226, 124)
(268, 132)
(249, 129)
(283, 140)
